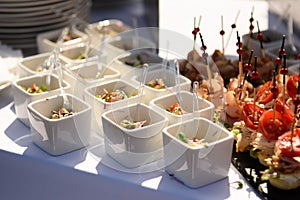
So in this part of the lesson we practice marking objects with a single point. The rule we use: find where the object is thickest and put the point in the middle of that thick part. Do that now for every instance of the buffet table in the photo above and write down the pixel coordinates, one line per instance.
(27, 172)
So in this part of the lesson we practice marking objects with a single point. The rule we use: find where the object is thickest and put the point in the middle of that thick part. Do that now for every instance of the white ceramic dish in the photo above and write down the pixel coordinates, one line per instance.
(60, 136)
(133, 147)
(197, 166)
(116, 46)
(205, 108)
(76, 54)
(125, 63)
(111, 27)
(100, 106)
(22, 98)
(84, 75)
(45, 41)
(291, 57)
(28, 66)
(169, 79)
(272, 39)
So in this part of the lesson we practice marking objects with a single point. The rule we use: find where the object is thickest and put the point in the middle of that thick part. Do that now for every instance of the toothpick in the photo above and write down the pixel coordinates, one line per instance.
(222, 33)
(233, 26)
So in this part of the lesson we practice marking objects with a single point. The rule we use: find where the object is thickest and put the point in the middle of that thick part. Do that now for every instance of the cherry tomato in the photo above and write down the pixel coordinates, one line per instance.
(271, 128)
(292, 85)
(250, 117)
(172, 107)
(288, 148)
(264, 94)
(285, 111)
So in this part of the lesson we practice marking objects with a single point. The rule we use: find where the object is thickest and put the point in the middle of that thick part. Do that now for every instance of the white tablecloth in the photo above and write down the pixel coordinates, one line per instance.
(27, 172)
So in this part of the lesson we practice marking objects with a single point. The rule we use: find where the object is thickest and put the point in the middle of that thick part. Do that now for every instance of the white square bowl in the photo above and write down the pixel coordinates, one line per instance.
(134, 147)
(22, 98)
(28, 66)
(111, 27)
(123, 63)
(205, 108)
(72, 55)
(46, 41)
(197, 166)
(60, 136)
(291, 58)
(272, 38)
(169, 79)
(116, 46)
(99, 106)
(84, 75)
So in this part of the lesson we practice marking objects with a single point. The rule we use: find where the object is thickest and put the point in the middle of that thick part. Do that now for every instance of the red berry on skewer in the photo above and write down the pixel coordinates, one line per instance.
(203, 48)
(205, 55)
(260, 36)
(222, 32)
(251, 27)
(278, 61)
(281, 52)
(239, 44)
(284, 71)
(254, 74)
(233, 26)
(247, 67)
(195, 31)
(298, 56)
(240, 51)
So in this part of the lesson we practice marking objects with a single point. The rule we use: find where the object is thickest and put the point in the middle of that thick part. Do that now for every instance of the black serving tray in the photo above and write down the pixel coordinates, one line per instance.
(251, 170)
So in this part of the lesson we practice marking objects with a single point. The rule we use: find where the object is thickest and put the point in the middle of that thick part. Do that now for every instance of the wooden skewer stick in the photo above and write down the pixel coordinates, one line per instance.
(196, 30)
(240, 52)
(254, 75)
(233, 26)
(222, 33)
(284, 72)
(260, 37)
(274, 90)
(205, 55)
(251, 27)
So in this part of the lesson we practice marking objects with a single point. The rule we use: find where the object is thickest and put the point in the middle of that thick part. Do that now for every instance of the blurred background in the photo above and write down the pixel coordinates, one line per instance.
(22, 20)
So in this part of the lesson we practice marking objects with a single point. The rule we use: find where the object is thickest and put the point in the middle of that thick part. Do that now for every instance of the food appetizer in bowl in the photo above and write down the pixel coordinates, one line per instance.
(87, 74)
(35, 64)
(132, 134)
(32, 88)
(79, 54)
(197, 151)
(160, 82)
(109, 27)
(47, 41)
(108, 95)
(169, 106)
(57, 129)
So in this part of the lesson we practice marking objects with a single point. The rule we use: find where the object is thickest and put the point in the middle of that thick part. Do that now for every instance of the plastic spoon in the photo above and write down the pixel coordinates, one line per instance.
(165, 61)
(195, 104)
(141, 88)
(66, 102)
(135, 41)
(100, 53)
(178, 82)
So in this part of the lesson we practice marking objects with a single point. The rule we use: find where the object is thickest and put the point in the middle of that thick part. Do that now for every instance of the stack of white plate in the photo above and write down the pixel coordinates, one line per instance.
(22, 20)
